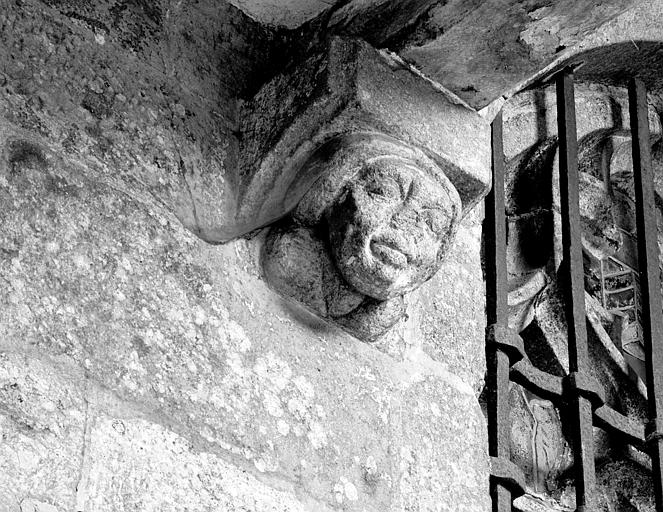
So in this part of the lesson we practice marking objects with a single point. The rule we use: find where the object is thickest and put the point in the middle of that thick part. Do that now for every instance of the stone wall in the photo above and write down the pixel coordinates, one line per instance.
(142, 369)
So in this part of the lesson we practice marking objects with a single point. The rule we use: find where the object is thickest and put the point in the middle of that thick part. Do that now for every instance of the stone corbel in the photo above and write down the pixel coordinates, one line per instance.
(348, 87)
(367, 167)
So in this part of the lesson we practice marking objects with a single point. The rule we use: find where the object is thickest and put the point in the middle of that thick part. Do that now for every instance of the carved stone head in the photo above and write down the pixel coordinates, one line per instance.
(389, 227)
(380, 218)
(364, 183)
(389, 219)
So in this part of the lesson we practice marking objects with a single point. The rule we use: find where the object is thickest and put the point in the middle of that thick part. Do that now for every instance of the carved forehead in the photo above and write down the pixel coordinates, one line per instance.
(426, 190)
(372, 157)
(401, 169)
(396, 167)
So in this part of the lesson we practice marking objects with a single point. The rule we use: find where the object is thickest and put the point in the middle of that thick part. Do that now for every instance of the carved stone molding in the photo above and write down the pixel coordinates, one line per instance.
(367, 167)
(347, 87)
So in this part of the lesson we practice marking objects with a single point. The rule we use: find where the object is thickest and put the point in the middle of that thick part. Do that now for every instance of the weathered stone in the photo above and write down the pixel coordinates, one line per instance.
(458, 341)
(485, 51)
(378, 21)
(385, 214)
(291, 13)
(149, 93)
(373, 184)
(607, 223)
(142, 369)
(538, 444)
(42, 423)
(627, 45)
(118, 459)
(407, 217)
(30, 505)
(481, 50)
(349, 89)
(195, 348)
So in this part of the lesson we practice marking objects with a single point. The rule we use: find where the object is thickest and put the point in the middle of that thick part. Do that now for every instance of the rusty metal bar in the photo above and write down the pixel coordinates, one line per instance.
(497, 361)
(542, 384)
(613, 422)
(496, 273)
(574, 289)
(650, 284)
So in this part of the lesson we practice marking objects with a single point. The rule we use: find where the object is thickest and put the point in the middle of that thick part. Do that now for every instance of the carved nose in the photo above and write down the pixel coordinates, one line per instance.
(404, 216)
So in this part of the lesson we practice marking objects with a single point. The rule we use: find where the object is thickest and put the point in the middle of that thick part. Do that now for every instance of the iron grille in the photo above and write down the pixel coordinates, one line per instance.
(578, 391)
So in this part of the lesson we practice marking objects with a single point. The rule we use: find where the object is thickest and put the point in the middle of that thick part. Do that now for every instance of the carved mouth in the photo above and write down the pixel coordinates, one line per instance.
(389, 254)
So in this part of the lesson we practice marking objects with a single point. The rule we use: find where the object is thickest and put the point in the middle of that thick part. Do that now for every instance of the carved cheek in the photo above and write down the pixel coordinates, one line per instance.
(427, 248)
(369, 213)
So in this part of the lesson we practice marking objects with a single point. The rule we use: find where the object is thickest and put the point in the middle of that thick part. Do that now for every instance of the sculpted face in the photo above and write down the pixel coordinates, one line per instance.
(389, 227)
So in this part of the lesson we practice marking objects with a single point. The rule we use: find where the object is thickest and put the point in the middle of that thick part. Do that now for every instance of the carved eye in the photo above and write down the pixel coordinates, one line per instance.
(436, 221)
(383, 189)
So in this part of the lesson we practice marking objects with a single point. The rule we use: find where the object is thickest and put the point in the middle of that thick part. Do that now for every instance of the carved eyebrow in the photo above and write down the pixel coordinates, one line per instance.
(410, 189)
(437, 205)
(406, 183)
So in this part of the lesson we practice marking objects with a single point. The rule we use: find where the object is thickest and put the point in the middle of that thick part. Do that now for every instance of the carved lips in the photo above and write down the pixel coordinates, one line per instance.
(389, 253)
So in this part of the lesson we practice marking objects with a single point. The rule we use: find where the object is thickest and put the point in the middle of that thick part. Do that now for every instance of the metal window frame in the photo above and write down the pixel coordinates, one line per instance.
(505, 355)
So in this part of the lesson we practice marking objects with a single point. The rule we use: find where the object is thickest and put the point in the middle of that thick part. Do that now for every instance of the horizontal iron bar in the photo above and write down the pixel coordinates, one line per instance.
(619, 290)
(620, 273)
(614, 422)
(540, 383)
(551, 387)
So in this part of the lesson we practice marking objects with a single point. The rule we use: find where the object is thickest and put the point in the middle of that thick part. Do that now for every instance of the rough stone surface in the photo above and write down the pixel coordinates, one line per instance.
(289, 13)
(455, 340)
(625, 46)
(151, 93)
(110, 294)
(483, 49)
(295, 125)
(143, 369)
(374, 228)
(379, 21)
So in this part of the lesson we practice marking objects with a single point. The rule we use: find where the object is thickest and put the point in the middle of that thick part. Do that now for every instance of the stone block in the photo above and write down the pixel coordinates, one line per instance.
(120, 311)
(349, 87)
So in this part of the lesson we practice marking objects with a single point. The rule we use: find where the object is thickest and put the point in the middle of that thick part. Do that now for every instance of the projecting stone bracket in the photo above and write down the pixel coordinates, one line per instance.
(367, 168)
(348, 87)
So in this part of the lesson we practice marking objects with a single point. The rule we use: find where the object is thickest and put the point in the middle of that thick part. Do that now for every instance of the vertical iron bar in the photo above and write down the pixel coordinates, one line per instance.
(574, 289)
(497, 313)
(650, 284)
